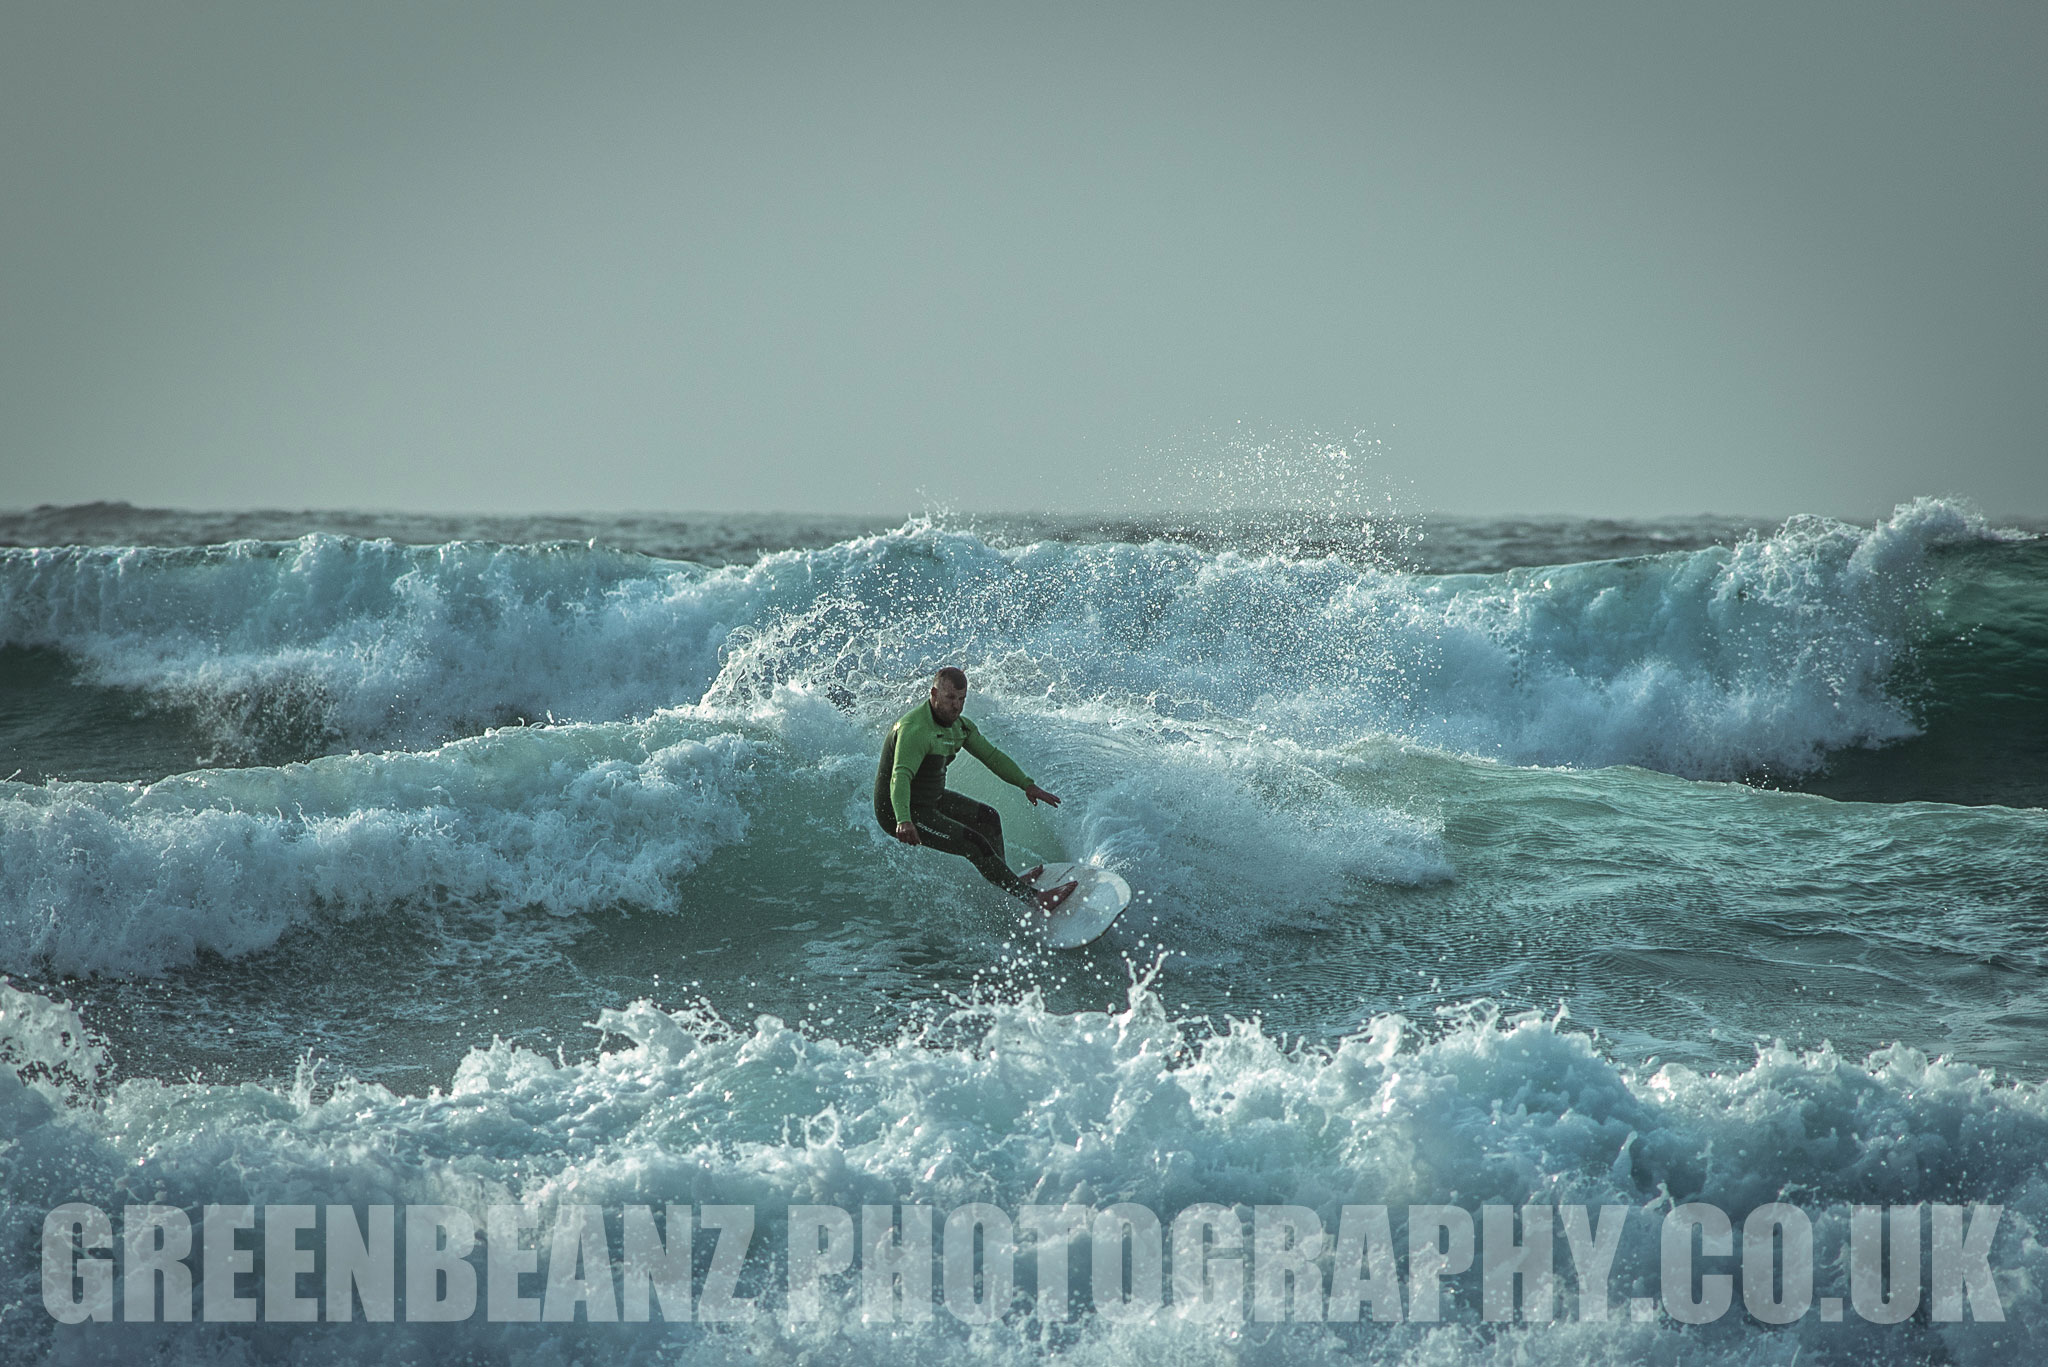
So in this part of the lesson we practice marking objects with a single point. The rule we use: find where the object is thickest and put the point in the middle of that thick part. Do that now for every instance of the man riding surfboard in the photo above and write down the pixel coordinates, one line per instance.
(913, 804)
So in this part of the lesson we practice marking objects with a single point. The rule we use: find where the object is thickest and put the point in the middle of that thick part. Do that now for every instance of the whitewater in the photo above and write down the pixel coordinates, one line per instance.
(358, 859)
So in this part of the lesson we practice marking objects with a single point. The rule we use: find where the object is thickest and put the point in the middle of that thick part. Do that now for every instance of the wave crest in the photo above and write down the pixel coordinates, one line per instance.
(1763, 654)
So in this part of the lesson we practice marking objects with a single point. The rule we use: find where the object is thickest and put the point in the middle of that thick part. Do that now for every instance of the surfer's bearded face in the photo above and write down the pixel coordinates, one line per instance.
(947, 701)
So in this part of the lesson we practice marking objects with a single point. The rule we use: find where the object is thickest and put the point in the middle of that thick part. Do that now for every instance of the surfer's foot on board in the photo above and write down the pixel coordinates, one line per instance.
(1052, 899)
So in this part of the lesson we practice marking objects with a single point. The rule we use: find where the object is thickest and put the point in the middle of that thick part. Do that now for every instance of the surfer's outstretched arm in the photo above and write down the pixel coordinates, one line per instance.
(1002, 766)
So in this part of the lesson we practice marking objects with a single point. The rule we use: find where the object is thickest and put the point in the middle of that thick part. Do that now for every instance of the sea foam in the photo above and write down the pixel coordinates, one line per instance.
(131, 878)
(1008, 1104)
(1764, 654)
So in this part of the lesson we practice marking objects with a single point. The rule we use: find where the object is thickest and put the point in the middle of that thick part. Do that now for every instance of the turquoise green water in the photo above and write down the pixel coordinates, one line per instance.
(1482, 876)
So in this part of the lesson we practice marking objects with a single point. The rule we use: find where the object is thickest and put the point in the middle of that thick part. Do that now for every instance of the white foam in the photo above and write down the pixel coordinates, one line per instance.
(1708, 663)
(126, 878)
(1020, 1106)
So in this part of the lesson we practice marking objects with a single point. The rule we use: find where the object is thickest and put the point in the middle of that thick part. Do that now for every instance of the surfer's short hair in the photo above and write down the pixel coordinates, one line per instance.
(951, 674)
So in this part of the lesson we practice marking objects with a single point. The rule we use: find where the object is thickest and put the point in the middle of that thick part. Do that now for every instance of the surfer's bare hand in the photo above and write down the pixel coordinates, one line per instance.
(907, 833)
(1038, 794)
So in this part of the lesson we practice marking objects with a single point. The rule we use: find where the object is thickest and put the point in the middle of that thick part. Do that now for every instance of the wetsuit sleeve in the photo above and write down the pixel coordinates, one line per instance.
(912, 745)
(1000, 764)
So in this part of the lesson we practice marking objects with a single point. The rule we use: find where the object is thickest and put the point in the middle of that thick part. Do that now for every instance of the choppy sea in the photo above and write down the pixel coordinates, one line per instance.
(359, 859)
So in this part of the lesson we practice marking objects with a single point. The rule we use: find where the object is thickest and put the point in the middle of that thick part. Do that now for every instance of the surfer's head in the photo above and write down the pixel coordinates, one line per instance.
(949, 695)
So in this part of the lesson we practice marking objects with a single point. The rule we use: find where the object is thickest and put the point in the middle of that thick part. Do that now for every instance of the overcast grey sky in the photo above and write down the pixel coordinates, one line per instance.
(1589, 258)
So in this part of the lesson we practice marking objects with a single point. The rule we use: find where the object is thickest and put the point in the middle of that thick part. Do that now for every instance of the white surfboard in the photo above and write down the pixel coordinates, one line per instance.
(1088, 911)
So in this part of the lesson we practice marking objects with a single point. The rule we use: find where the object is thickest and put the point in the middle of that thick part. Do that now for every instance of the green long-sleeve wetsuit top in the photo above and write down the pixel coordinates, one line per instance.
(914, 760)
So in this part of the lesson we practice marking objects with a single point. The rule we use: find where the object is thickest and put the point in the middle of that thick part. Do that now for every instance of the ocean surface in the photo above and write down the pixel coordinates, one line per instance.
(361, 858)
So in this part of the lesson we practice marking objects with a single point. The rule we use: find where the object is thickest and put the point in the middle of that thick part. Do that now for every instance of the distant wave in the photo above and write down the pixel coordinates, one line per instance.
(1763, 654)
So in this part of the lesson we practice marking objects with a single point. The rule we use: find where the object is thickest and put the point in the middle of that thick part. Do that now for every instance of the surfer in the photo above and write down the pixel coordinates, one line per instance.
(913, 804)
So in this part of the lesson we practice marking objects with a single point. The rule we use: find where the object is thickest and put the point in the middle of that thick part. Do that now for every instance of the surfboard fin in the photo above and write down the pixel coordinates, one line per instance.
(1059, 896)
